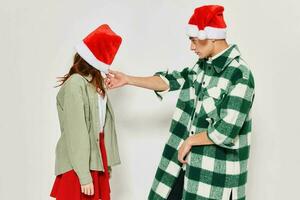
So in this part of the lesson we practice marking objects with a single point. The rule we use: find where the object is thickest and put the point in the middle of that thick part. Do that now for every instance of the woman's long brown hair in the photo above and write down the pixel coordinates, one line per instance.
(81, 67)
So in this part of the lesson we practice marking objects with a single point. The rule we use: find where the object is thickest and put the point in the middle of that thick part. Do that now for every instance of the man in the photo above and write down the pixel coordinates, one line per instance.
(211, 126)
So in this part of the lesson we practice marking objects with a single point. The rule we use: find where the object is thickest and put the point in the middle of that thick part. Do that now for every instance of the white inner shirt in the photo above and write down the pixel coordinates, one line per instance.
(102, 110)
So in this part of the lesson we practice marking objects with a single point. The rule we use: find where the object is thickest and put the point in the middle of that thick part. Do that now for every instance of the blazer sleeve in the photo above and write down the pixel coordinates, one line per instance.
(75, 130)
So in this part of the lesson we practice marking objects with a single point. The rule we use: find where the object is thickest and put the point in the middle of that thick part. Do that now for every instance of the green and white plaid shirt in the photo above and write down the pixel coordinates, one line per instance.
(216, 96)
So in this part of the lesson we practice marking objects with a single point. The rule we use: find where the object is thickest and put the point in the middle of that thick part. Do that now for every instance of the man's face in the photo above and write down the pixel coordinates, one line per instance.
(203, 48)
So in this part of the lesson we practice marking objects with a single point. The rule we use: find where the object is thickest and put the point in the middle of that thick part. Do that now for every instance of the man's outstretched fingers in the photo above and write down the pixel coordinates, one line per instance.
(111, 73)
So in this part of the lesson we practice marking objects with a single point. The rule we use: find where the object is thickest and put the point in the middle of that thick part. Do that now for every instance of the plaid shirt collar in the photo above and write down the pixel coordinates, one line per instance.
(221, 60)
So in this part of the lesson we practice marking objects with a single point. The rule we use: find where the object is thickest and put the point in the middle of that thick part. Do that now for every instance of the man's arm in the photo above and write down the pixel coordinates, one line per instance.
(152, 82)
(193, 140)
(234, 110)
(117, 79)
(199, 139)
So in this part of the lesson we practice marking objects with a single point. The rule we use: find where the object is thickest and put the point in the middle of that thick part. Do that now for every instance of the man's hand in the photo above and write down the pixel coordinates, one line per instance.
(88, 189)
(115, 79)
(184, 150)
(194, 140)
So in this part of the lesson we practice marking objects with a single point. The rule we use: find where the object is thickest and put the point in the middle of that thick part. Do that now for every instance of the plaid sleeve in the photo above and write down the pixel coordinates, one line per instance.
(174, 80)
(234, 110)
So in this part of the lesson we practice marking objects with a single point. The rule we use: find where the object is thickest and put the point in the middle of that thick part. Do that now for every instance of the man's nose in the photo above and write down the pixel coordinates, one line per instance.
(192, 47)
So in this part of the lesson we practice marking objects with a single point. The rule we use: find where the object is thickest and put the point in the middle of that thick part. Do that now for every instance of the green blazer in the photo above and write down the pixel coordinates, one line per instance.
(78, 145)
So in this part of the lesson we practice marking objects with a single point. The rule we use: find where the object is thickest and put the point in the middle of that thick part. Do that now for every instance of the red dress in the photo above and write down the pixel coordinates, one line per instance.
(67, 186)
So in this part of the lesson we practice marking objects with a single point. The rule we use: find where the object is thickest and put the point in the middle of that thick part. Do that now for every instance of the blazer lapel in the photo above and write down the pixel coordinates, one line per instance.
(109, 108)
(94, 107)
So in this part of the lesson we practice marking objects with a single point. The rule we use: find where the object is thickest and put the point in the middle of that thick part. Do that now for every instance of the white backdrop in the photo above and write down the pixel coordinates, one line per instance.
(36, 45)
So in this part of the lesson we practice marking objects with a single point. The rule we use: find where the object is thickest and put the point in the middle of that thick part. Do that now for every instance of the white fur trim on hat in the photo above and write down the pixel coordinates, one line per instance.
(202, 35)
(89, 57)
(215, 33)
(207, 33)
(192, 30)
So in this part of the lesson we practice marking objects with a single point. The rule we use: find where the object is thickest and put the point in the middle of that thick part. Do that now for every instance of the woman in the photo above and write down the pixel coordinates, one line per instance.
(84, 156)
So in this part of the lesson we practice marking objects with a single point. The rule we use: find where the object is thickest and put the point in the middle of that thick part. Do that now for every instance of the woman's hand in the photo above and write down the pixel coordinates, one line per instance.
(184, 150)
(88, 189)
(115, 79)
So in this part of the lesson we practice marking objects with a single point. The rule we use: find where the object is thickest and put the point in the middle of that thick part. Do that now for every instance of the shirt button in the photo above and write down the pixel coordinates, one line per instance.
(203, 83)
(192, 132)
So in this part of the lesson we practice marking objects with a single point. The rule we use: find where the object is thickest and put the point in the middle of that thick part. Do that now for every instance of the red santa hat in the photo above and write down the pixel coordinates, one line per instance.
(207, 22)
(100, 47)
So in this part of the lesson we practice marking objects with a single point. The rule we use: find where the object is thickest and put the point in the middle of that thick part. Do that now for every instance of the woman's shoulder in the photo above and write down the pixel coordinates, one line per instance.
(75, 80)
(76, 83)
